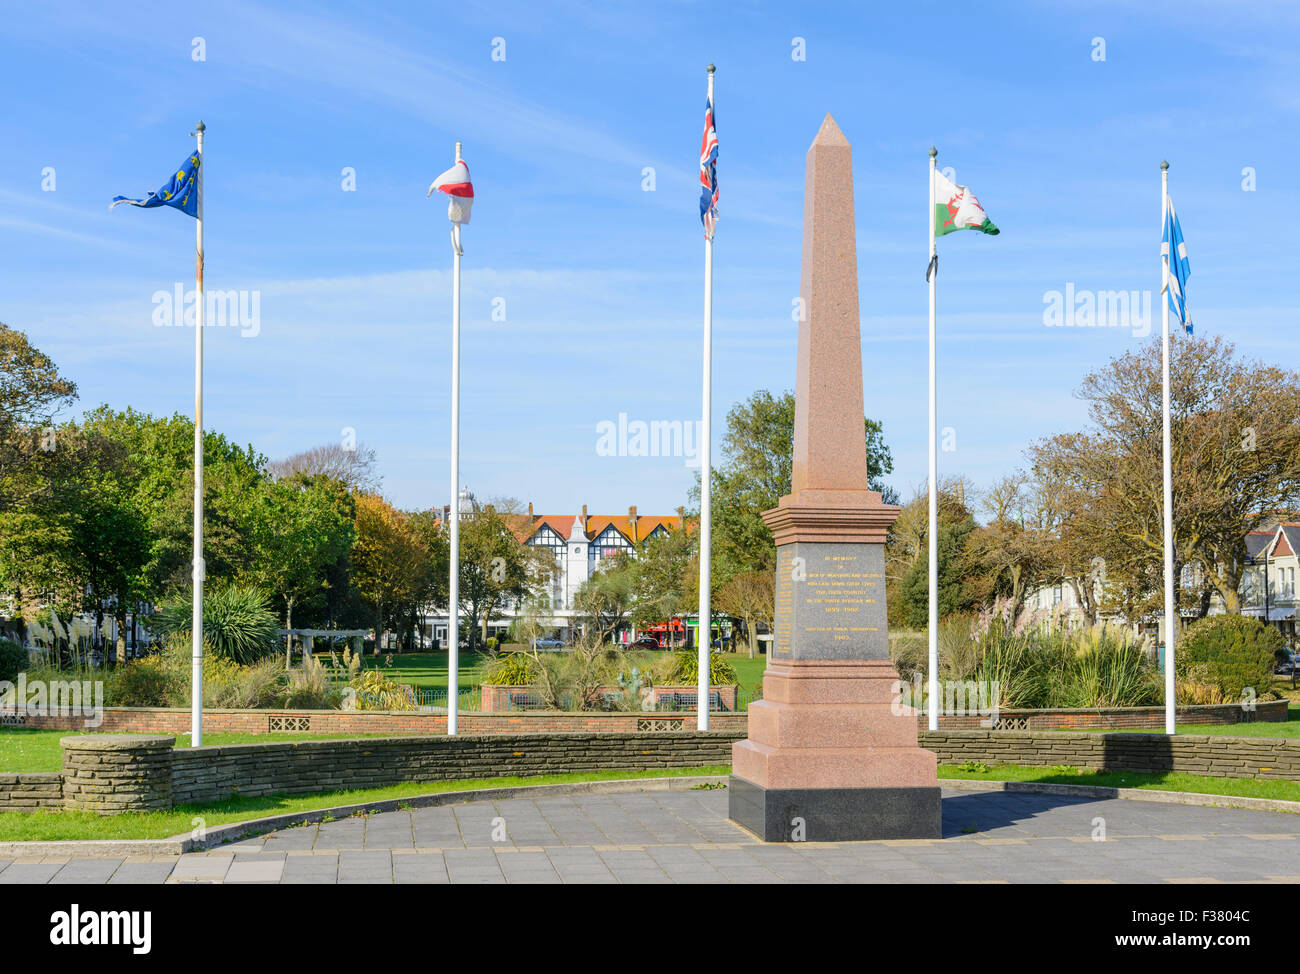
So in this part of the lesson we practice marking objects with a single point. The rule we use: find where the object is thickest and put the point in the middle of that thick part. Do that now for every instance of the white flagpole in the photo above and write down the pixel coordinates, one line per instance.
(453, 593)
(705, 628)
(1171, 609)
(196, 619)
(933, 533)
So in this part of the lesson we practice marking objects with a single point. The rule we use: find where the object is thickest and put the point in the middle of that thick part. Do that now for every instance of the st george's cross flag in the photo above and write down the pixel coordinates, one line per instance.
(956, 208)
(1179, 268)
(709, 173)
(456, 184)
(182, 191)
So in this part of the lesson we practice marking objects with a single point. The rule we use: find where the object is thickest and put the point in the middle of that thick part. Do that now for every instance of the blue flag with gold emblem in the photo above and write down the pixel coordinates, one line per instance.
(182, 191)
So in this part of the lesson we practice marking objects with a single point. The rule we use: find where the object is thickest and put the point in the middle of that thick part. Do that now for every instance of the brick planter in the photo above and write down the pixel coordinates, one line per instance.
(113, 773)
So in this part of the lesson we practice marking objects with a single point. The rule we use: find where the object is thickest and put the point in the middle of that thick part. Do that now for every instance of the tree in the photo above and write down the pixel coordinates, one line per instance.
(907, 571)
(606, 598)
(907, 551)
(495, 566)
(300, 526)
(355, 466)
(160, 454)
(390, 562)
(751, 598)
(667, 577)
(1007, 557)
(1235, 430)
(31, 393)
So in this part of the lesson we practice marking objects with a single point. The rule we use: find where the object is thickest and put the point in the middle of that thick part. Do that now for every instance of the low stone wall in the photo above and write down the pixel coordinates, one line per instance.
(1220, 757)
(116, 773)
(217, 773)
(30, 792)
(110, 774)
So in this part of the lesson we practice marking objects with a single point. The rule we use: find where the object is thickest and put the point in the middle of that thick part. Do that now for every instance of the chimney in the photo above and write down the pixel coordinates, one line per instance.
(584, 517)
(530, 508)
(631, 520)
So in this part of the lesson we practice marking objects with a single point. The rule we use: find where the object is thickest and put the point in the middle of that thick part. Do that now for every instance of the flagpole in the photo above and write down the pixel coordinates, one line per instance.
(933, 533)
(1171, 609)
(196, 619)
(705, 628)
(453, 594)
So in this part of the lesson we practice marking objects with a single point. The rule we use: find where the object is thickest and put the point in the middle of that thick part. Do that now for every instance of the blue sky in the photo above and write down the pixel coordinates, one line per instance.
(602, 280)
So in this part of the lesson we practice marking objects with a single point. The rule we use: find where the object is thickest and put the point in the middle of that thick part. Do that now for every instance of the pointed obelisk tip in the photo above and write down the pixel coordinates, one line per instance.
(829, 133)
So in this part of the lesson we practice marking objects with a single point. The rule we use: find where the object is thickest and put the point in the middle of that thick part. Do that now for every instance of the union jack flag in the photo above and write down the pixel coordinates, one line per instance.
(709, 173)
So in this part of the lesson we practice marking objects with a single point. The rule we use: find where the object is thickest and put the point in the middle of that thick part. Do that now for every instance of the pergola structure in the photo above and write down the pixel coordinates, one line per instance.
(309, 636)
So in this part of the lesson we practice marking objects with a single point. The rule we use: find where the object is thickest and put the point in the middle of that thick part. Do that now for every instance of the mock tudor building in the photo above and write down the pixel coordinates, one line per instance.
(580, 544)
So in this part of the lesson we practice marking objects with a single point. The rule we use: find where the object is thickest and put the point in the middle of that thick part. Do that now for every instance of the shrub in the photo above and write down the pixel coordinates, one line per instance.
(13, 660)
(238, 624)
(1233, 653)
(511, 670)
(374, 691)
(147, 682)
(685, 669)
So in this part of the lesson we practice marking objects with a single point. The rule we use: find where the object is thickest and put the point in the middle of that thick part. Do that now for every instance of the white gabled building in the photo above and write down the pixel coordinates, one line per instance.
(579, 543)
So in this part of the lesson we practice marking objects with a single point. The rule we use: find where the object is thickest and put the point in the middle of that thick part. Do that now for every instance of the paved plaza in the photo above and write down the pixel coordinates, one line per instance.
(685, 837)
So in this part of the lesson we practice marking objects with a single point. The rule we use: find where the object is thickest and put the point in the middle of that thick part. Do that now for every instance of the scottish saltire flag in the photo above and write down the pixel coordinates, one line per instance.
(181, 192)
(455, 182)
(709, 173)
(1179, 267)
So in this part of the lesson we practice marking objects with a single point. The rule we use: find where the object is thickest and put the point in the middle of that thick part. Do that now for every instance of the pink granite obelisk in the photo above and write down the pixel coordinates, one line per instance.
(831, 753)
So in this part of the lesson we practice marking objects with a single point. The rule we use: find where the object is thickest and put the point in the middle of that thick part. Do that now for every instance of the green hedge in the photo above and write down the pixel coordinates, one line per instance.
(1231, 652)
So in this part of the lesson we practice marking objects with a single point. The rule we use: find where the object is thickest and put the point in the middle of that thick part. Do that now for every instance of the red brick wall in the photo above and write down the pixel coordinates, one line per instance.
(142, 720)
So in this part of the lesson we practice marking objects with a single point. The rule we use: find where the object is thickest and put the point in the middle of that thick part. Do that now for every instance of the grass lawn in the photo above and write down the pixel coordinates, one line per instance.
(58, 825)
(26, 750)
(430, 669)
(1158, 781)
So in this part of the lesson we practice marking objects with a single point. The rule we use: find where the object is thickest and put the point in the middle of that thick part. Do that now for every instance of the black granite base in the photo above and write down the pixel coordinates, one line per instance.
(834, 814)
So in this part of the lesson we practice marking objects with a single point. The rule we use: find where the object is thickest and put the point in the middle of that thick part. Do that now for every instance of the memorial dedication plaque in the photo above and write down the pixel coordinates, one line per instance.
(830, 602)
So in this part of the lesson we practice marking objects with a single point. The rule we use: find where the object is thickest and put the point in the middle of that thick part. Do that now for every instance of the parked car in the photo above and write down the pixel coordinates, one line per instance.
(548, 643)
(644, 642)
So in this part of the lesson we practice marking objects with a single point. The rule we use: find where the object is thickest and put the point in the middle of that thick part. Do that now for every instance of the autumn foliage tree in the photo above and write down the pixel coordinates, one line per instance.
(1236, 465)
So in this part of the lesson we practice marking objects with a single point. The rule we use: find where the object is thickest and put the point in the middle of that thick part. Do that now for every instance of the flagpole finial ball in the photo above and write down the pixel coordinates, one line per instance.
(933, 152)
(712, 68)
(200, 127)
(1164, 163)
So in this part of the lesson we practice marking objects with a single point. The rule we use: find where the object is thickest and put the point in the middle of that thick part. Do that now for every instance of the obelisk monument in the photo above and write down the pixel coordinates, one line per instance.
(831, 754)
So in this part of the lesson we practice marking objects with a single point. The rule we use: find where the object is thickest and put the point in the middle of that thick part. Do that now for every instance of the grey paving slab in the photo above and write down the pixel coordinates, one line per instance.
(86, 872)
(29, 872)
(141, 873)
(685, 837)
